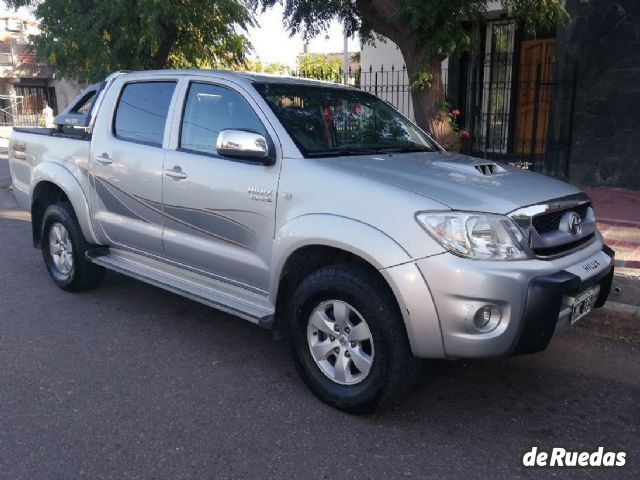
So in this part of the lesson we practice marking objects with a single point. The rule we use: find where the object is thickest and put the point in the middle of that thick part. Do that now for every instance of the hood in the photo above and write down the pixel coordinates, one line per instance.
(457, 181)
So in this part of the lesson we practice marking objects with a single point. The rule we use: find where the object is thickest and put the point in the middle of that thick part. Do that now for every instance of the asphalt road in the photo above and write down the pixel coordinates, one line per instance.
(131, 382)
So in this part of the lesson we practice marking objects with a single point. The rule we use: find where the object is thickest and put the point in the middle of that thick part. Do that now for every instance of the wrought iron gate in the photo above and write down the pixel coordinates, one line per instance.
(519, 107)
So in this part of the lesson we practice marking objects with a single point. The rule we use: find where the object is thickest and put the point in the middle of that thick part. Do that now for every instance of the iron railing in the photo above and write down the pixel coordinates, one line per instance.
(24, 109)
(390, 84)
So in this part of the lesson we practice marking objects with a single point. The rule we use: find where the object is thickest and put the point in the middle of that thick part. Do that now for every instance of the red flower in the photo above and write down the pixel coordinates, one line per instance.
(465, 134)
(455, 112)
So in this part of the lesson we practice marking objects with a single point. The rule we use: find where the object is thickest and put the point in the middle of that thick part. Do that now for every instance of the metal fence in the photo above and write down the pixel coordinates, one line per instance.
(519, 113)
(24, 109)
(390, 84)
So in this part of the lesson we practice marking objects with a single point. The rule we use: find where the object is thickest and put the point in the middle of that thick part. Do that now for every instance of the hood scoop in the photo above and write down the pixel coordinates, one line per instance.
(488, 168)
(477, 168)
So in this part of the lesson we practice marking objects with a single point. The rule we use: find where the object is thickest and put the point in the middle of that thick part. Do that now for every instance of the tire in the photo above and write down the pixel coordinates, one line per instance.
(66, 261)
(359, 291)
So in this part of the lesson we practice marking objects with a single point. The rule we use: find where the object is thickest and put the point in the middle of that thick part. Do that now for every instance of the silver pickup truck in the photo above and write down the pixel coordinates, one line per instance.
(315, 210)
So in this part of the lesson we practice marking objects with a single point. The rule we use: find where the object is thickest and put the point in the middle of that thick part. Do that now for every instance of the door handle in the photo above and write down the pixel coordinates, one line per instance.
(104, 159)
(176, 173)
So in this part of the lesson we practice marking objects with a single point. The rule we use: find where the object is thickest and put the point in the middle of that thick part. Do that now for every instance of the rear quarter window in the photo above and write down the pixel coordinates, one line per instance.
(85, 103)
(141, 113)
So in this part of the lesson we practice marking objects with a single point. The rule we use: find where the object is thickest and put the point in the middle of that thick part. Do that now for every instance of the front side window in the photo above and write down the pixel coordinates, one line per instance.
(332, 121)
(142, 110)
(209, 109)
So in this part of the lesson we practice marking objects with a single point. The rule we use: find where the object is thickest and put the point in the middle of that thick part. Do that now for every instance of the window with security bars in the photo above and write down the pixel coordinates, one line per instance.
(30, 99)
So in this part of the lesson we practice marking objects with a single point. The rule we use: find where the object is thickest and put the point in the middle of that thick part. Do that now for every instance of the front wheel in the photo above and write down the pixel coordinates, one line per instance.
(63, 249)
(348, 339)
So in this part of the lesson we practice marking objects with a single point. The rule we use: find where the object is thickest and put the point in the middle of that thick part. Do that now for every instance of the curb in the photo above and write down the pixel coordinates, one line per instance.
(618, 223)
(606, 224)
(631, 264)
(627, 272)
(633, 310)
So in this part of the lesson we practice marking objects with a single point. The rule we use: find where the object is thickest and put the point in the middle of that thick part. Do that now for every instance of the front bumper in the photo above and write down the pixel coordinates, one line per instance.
(533, 296)
(547, 308)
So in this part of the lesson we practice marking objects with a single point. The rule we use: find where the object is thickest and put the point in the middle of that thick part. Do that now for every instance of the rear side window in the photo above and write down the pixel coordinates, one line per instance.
(209, 109)
(142, 110)
(85, 103)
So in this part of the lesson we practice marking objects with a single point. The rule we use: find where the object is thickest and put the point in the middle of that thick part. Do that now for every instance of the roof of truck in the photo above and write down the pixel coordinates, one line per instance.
(240, 77)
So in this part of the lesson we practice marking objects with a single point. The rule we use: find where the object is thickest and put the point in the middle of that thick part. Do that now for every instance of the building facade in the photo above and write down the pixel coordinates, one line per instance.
(25, 82)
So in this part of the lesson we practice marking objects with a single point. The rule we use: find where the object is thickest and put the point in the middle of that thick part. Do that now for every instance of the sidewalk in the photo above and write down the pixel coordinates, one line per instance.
(618, 215)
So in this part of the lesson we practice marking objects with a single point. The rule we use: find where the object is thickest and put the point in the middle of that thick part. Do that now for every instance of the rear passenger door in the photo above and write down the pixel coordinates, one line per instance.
(219, 211)
(127, 158)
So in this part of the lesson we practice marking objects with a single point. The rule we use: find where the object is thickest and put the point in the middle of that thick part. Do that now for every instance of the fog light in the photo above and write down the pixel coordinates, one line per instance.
(487, 318)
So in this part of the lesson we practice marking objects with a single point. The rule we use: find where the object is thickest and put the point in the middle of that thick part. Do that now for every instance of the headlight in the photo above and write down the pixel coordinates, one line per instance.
(479, 236)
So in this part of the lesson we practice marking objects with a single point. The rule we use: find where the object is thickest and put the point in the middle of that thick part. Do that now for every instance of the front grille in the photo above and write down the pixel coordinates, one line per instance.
(550, 222)
(550, 252)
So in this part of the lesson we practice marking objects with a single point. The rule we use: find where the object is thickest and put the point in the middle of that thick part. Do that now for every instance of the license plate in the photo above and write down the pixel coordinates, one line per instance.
(582, 305)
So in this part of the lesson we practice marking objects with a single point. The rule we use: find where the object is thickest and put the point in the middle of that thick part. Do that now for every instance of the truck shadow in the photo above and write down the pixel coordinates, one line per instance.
(545, 396)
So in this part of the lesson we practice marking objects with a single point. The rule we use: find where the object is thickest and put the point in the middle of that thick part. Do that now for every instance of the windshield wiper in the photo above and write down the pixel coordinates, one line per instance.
(368, 151)
(343, 152)
(412, 148)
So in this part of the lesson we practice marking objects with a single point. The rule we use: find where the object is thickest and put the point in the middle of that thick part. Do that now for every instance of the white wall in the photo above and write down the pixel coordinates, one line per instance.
(385, 55)
(381, 54)
(66, 91)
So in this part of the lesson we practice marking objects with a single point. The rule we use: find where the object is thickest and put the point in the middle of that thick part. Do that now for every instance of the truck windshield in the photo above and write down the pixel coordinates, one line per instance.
(332, 121)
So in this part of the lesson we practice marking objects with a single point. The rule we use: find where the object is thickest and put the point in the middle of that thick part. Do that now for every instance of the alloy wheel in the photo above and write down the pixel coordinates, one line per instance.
(340, 342)
(61, 248)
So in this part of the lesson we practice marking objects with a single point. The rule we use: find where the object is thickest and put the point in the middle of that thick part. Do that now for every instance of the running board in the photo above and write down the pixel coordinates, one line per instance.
(231, 299)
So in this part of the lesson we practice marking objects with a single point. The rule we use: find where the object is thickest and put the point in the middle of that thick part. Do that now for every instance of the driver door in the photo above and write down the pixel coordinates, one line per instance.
(214, 221)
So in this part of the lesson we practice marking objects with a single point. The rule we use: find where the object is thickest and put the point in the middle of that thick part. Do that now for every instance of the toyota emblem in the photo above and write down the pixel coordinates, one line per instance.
(575, 224)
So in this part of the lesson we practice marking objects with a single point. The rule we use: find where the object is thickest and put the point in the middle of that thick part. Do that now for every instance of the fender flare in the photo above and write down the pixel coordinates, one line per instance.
(345, 233)
(407, 284)
(68, 183)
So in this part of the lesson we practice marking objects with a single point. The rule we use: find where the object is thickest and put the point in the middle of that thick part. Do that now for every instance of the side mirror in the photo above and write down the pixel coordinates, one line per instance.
(242, 144)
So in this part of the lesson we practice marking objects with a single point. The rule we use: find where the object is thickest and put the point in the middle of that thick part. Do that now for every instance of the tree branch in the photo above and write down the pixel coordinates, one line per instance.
(377, 14)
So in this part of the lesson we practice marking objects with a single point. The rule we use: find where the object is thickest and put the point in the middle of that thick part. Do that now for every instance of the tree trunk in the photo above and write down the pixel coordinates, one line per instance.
(379, 15)
(429, 107)
(159, 58)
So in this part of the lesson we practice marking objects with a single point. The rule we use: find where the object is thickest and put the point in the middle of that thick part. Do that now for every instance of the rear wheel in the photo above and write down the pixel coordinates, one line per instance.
(63, 249)
(348, 339)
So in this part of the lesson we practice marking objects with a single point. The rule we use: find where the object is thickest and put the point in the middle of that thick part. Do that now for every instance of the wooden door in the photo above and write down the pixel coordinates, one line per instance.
(535, 74)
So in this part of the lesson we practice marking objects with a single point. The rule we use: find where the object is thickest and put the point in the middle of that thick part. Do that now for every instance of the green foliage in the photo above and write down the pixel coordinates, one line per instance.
(312, 17)
(436, 27)
(421, 80)
(276, 68)
(432, 28)
(257, 66)
(315, 64)
(87, 39)
(536, 15)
